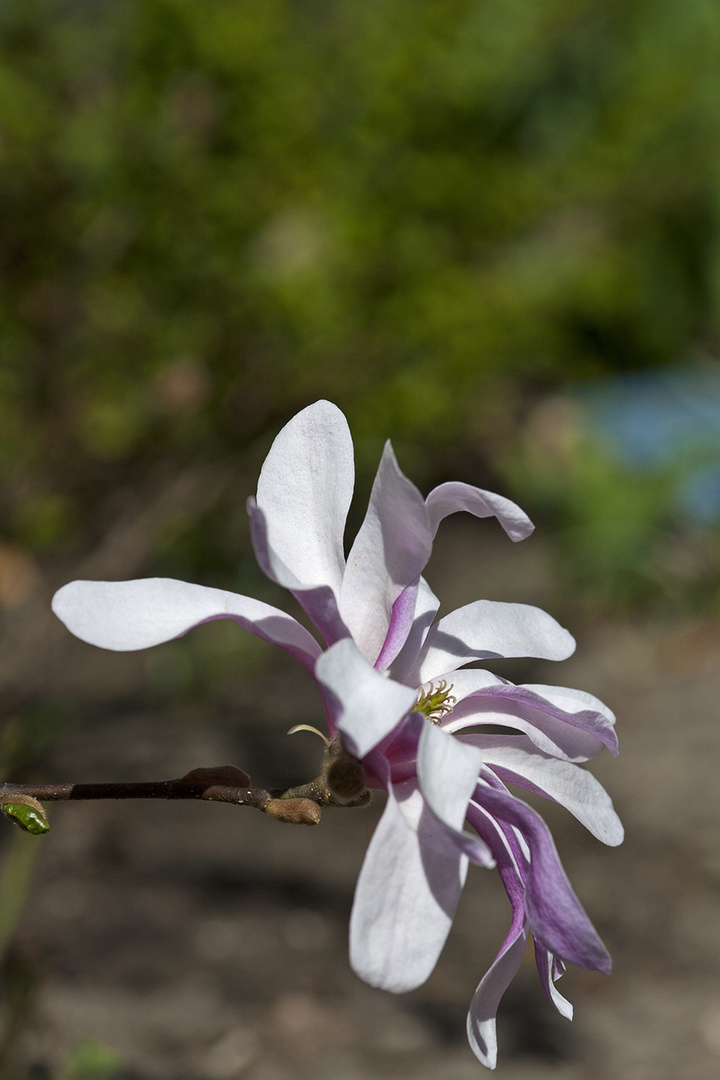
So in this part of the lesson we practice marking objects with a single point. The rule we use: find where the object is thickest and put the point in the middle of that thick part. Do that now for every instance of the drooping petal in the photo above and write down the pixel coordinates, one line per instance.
(555, 914)
(481, 1029)
(515, 760)
(389, 553)
(448, 772)
(406, 896)
(365, 706)
(426, 607)
(128, 615)
(304, 491)
(550, 971)
(481, 1019)
(453, 496)
(488, 628)
(573, 733)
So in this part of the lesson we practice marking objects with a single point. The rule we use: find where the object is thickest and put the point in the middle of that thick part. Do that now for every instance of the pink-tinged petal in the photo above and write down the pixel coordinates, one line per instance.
(401, 622)
(426, 607)
(389, 553)
(319, 601)
(491, 629)
(364, 705)
(448, 772)
(454, 496)
(573, 736)
(550, 971)
(406, 895)
(128, 615)
(481, 1030)
(515, 760)
(304, 491)
(555, 914)
(571, 701)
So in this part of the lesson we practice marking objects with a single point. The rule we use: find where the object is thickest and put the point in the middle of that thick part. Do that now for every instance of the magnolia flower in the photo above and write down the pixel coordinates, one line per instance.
(438, 777)
(395, 694)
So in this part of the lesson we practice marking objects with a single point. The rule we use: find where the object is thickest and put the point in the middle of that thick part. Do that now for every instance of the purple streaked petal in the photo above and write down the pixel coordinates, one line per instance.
(555, 914)
(574, 736)
(426, 607)
(406, 896)
(401, 622)
(481, 1030)
(453, 496)
(570, 700)
(389, 553)
(365, 706)
(128, 615)
(488, 628)
(549, 972)
(515, 760)
(319, 601)
(304, 491)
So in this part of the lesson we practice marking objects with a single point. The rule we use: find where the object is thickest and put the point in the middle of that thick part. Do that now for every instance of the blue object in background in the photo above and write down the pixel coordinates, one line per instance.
(666, 421)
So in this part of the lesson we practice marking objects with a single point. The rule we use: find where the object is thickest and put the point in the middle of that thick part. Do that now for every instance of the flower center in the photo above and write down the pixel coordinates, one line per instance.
(435, 701)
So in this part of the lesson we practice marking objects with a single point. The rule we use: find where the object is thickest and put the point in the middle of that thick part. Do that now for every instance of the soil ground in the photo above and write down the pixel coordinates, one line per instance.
(206, 942)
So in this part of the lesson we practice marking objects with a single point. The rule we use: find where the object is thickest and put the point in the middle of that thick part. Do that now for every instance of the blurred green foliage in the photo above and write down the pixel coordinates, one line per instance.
(431, 213)
(620, 539)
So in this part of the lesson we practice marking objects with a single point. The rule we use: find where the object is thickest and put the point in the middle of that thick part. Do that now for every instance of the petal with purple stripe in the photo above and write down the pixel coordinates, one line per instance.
(554, 912)
(426, 607)
(389, 553)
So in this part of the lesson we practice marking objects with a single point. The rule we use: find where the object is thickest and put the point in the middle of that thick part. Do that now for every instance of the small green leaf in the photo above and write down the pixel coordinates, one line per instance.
(29, 818)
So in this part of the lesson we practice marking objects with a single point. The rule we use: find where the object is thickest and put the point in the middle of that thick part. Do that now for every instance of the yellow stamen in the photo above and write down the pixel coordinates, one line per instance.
(436, 701)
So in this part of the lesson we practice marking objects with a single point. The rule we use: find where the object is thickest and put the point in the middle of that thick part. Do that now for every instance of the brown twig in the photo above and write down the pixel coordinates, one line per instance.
(226, 783)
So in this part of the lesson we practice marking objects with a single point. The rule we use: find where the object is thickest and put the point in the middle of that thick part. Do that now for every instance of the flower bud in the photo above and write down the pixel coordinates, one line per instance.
(27, 813)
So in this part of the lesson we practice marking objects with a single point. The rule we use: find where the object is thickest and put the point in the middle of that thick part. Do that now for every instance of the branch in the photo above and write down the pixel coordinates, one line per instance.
(225, 783)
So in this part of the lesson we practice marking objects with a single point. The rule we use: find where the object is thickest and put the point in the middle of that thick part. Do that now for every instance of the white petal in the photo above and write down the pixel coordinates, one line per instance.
(127, 615)
(304, 491)
(487, 628)
(453, 496)
(406, 895)
(481, 1029)
(367, 706)
(548, 978)
(466, 681)
(514, 758)
(389, 553)
(319, 601)
(448, 771)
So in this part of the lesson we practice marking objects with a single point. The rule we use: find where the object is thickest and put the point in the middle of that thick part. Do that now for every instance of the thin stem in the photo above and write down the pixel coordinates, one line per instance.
(154, 789)
(226, 783)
